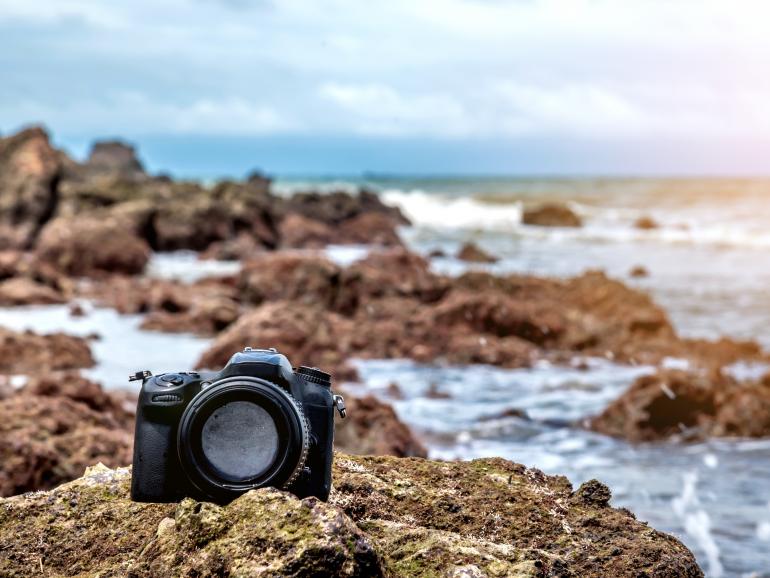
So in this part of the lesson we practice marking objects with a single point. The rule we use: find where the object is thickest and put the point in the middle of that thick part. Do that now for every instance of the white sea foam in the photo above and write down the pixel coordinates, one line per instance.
(602, 224)
(697, 523)
(434, 210)
(185, 266)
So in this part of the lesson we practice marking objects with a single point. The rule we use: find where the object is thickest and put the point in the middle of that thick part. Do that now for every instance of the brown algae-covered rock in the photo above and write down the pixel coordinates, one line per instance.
(385, 517)
(27, 352)
(551, 215)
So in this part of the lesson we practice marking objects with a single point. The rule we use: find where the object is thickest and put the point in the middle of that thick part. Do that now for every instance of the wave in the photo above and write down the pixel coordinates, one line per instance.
(602, 224)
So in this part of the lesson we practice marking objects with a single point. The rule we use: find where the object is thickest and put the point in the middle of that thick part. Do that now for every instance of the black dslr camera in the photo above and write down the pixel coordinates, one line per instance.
(256, 423)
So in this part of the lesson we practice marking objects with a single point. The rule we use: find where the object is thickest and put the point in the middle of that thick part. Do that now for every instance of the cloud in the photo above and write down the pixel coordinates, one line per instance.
(380, 110)
(446, 69)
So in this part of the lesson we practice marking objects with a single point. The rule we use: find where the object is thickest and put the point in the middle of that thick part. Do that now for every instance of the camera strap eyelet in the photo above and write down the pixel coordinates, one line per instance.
(339, 403)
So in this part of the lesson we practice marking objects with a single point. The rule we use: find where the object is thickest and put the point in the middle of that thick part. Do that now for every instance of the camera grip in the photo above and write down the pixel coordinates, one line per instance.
(155, 460)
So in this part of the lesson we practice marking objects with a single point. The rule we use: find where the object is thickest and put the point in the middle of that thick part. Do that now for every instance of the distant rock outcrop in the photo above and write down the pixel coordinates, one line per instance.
(30, 169)
(551, 215)
(689, 406)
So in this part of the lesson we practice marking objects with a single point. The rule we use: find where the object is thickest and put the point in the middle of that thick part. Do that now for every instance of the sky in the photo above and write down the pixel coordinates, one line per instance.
(216, 87)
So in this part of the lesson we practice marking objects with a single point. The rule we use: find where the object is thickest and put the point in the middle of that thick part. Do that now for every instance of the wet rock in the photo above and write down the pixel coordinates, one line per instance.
(114, 158)
(687, 405)
(27, 352)
(308, 335)
(56, 426)
(91, 246)
(26, 291)
(204, 316)
(551, 215)
(646, 223)
(204, 307)
(77, 310)
(593, 493)
(373, 228)
(500, 315)
(373, 428)
(30, 169)
(300, 232)
(390, 273)
(337, 207)
(385, 517)
(316, 280)
(511, 412)
(434, 392)
(473, 253)
(290, 276)
(241, 248)
(638, 272)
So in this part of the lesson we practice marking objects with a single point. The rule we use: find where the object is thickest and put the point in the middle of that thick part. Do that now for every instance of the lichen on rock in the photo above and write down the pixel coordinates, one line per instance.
(386, 517)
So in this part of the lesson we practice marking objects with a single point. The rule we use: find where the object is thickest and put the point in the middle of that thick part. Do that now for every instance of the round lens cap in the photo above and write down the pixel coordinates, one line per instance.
(315, 375)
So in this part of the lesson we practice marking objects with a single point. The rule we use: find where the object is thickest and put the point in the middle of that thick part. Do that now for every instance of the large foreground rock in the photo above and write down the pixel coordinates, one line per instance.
(385, 517)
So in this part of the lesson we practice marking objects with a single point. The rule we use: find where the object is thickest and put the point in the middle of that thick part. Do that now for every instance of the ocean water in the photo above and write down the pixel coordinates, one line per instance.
(709, 264)
(709, 267)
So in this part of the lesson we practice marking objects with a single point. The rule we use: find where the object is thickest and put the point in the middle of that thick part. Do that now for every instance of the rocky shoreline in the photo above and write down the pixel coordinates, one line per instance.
(71, 232)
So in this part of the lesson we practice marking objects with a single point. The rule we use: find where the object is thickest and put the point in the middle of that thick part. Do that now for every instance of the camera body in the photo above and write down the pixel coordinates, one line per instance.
(258, 422)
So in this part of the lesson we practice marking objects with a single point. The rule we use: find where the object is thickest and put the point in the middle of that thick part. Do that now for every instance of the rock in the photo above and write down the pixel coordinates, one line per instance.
(386, 517)
(115, 159)
(373, 228)
(693, 406)
(91, 246)
(54, 428)
(299, 232)
(390, 273)
(204, 307)
(391, 305)
(372, 427)
(593, 493)
(308, 335)
(638, 272)
(30, 170)
(551, 215)
(240, 248)
(336, 207)
(26, 291)
(25, 353)
(291, 277)
(646, 223)
(316, 280)
(474, 254)
(204, 316)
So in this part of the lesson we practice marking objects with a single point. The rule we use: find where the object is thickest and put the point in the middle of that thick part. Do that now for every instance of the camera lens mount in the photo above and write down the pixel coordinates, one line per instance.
(242, 433)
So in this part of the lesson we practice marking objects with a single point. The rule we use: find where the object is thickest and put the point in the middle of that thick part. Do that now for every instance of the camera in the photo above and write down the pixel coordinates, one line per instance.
(258, 422)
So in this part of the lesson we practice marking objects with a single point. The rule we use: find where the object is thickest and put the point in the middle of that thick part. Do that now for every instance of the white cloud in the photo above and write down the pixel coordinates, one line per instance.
(379, 109)
(598, 69)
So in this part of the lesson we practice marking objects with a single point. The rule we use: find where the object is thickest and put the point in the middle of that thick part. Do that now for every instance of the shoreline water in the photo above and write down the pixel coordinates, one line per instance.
(703, 492)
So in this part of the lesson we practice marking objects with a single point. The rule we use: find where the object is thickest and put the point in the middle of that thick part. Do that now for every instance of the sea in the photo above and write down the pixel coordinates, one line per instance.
(709, 267)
